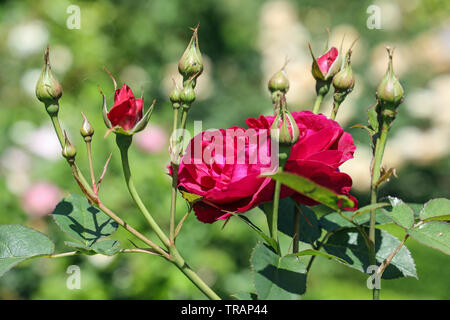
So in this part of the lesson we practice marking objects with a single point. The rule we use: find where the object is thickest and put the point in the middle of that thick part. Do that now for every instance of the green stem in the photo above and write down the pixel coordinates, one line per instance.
(91, 166)
(60, 135)
(317, 103)
(296, 224)
(196, 280)
(273, 222)
(380, 145)
(124, 143)
(173, 202)
(334, 111)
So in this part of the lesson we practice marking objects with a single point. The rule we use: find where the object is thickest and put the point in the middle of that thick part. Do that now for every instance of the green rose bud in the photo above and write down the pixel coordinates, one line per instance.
(284, 129)
(279, 82)
(69, 151)
(390, 91)
(48, 89)
(344, 80)
(187, 95)
(190, 65)
(86, 130)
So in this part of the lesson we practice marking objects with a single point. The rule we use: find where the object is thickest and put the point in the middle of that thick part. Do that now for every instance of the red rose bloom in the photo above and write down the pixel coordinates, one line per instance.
(237, 186)
(321, 148)
(229, 185)
(127, 110)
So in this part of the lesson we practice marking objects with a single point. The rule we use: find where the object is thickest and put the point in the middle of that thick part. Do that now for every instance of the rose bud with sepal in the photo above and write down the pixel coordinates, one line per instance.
(279, 82)
(68, 151)
(325, 66)
(190, 64)
(48, 89)
(390, 92)
(344, 80)
(126, 115)
(86, 130)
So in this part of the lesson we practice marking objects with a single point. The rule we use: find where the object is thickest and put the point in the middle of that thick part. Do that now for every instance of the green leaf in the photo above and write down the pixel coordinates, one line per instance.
(19, 243)
(434, 234)
(277, 277)
(373, 117)
(335, 221)
(106, 247)
(83, 222)
(309, 225)
(271, 242)
(312, 190)
(245, 296)
(436, 209)
(401, 213)
(312, 252)
(369, 208)
(349, 244)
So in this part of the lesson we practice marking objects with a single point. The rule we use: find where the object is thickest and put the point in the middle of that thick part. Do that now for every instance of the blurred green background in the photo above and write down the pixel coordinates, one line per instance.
(243, 43)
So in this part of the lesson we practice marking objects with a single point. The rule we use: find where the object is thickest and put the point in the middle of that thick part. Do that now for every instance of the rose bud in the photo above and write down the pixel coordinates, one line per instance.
(187, 95)
(86, 130)
(284, 129)
(279, 82)
(190, 65)
(126, 115)
(69, 151)
(48, 89)
(344, 80)
(390, 91)
(175, 96)
(327, 65)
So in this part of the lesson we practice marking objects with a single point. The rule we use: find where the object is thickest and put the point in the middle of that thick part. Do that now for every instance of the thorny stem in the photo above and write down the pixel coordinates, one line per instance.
(124, 143)
(334, 111)
(388, 260)
(94, 199)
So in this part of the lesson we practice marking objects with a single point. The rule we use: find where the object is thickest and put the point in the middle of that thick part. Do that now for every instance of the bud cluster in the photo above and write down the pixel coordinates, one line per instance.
(284, 129)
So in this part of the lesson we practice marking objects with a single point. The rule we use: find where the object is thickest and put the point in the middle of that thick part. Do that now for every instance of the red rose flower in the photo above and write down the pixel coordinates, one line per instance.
(127, 110)
(321, 148)
(225, 184)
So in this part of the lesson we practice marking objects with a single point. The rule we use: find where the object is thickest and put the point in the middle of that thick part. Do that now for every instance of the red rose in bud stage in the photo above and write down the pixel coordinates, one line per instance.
(127, 110)
(327, 65)
(321, 148)
(326, 61)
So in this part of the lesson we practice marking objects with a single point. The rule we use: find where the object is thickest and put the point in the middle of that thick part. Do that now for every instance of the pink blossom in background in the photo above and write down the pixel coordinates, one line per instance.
(152, 140)
(40, 199)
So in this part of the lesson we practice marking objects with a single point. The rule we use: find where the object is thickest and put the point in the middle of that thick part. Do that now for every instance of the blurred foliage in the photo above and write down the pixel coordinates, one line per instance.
(151, 35)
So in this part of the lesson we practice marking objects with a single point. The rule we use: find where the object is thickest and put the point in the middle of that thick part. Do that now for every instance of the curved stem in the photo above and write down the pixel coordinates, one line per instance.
(60, 135)
(123, 143)
(189, 273)
(94, 199)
